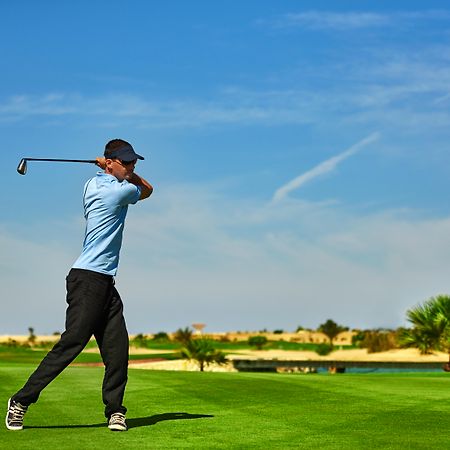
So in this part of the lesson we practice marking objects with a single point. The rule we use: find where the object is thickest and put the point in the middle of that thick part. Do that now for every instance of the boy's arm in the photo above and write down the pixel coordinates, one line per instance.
(146, 187)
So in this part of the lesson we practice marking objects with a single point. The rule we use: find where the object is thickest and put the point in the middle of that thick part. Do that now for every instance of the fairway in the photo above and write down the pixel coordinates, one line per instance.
(236, 410)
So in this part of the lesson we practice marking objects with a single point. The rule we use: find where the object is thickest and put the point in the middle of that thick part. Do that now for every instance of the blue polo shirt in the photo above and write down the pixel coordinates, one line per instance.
(106, 201)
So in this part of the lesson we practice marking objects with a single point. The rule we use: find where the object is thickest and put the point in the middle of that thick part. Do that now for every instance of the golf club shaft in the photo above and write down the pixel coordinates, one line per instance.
(22, 167)
(92, 161)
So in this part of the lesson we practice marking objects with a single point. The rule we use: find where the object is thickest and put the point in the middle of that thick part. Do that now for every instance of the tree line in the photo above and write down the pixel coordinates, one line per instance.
(429, 331)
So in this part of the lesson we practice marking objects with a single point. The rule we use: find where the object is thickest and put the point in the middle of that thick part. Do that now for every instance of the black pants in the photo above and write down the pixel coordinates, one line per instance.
(95, 308)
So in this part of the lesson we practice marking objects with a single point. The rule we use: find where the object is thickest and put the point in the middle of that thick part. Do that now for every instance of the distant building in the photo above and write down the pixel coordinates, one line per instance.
(198, 327)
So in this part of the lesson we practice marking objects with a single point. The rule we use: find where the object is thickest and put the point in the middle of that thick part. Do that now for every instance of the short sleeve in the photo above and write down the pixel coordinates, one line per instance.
(127, 193)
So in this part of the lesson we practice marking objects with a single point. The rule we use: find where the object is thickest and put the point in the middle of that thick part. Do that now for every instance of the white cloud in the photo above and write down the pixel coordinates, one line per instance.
(442, 99)
(333, 20)
(143, 112)
(354, 20)
(323, 168)
(382, 94)
(190, 254)
(393, 88)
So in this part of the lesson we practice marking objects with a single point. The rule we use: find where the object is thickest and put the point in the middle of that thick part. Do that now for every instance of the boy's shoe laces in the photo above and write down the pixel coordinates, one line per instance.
(14, 417)
(117, 422)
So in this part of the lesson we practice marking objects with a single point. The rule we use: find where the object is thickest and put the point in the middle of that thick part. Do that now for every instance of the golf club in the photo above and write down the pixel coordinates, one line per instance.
(22, 167)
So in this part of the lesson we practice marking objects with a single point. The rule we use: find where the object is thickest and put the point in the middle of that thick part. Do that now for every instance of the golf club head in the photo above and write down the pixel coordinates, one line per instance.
(22, 167)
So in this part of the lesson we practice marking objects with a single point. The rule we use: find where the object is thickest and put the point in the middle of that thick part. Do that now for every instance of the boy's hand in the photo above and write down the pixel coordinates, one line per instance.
(101, 162)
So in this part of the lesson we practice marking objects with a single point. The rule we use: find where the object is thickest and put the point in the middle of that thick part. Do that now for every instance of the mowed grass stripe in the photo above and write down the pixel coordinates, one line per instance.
(250, 410)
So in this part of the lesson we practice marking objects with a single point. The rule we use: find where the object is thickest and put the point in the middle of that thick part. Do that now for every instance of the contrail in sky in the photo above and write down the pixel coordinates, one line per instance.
(442, 99)
(322, 168)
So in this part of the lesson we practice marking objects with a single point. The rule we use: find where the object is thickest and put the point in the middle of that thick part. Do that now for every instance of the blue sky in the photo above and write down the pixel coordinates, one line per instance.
(299, 153)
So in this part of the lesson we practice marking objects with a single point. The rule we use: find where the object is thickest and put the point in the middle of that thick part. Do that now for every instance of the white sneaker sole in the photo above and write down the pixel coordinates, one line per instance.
(117, 427)
(6, 420)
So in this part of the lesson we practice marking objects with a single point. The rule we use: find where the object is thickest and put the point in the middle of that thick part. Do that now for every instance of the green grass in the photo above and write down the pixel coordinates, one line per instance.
(171, 410)
(226, 347)
(14, 355)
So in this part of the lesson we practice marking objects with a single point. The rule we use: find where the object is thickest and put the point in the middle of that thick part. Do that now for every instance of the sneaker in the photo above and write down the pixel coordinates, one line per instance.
(14, 416)
(117, 422)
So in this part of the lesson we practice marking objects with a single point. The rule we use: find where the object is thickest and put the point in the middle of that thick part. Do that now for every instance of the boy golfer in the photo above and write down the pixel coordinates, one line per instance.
(95, 307)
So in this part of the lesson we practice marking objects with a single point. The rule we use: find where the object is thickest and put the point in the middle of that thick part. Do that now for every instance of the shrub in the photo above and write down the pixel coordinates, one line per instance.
(12, 343)
(358, 337)
(161, 336)
(139, 341)
(324, 349)
(378, 341)
(257, 341)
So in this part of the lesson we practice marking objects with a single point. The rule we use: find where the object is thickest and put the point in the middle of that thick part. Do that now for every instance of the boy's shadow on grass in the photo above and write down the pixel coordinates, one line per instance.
(151, 420)
(134, 422)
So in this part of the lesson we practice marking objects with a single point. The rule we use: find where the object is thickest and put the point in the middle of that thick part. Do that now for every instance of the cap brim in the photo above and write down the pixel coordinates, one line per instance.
(129, 155)
(129, 158)
(126, 153)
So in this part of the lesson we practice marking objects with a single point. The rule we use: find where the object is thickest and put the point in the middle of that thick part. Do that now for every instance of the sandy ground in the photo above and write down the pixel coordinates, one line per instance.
(406, 355)
(22, 338)
(181, 364)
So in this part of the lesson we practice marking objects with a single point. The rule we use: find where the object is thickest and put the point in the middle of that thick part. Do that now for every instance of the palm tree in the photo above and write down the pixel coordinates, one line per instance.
(331, 329)
(443, 311)
(443, 321)
(31, 336)
(183, 335)
(431, 326)
(203, 352)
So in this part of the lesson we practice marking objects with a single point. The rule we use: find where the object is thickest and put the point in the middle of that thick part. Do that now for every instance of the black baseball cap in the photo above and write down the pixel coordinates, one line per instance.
(125, 153)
